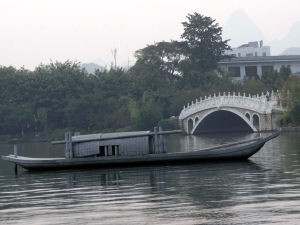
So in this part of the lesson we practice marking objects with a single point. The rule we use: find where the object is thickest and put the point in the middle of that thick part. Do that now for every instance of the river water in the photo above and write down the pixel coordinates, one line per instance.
(263, 190)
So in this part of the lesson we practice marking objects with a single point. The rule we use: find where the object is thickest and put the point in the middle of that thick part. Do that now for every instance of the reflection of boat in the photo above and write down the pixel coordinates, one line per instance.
(155, 177)
(114, 150)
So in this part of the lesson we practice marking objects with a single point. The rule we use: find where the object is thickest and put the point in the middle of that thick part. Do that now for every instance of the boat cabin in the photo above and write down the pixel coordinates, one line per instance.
(116, 144)
(112, 144)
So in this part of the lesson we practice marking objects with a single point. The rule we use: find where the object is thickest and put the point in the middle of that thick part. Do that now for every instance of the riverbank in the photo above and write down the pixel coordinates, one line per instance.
(290, 129)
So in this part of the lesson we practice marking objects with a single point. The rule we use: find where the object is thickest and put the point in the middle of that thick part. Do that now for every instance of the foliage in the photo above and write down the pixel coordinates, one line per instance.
(168, 124)
(273, 79)
(283, 120)
(164, 57)
(203, 38)
(291, 99)
(148, 116)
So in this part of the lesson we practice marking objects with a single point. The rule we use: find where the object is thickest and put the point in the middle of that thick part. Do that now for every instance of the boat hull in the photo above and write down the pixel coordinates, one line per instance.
(230, 153)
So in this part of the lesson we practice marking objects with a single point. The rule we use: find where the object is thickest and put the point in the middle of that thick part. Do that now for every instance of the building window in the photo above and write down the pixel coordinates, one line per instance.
(266, 69)
(251, 71)
(239, 54)
(264, 54)
(249, 54)
(234, 71)
(255, 53)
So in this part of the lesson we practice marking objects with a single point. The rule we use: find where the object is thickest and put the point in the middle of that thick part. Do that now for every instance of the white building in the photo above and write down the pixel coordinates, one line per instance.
(252, 49)
(242, 67)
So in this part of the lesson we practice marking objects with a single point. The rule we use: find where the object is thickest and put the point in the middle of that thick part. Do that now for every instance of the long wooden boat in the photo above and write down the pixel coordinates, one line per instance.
(234, 151)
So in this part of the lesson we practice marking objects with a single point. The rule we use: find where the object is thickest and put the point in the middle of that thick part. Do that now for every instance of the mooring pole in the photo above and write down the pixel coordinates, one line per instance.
(160, 143)
(15, 151)
(156, 150)
(16, 155)
(69, 152)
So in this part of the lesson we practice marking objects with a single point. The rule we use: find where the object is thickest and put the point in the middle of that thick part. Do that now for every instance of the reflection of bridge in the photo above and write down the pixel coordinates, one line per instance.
(231, 112)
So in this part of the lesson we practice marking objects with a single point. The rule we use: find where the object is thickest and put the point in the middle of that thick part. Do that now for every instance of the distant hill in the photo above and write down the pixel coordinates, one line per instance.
(292, 51)
(91, 67)
(241, 30)
(102, 63)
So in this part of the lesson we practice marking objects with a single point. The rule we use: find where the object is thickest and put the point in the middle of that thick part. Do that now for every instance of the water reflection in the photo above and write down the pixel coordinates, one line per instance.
(221, 176)
(198, 190)
(186, 143)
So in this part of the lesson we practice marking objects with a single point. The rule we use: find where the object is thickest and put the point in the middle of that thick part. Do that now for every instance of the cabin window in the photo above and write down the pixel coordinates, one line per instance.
(116, 150)
(101, 151)
(109, 151)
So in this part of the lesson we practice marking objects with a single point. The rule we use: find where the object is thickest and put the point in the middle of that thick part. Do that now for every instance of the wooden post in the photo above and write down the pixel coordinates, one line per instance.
(160, 143)
(165, 146)
(16, 155)
(15, 151)
(69, 152)
(156, 150)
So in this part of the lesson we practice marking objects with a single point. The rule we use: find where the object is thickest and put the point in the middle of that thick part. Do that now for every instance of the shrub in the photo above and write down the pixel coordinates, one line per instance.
(168, 124)
(283, 120)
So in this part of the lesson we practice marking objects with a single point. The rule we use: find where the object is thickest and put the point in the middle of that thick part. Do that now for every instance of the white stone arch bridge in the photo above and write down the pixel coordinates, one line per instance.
(232, 112)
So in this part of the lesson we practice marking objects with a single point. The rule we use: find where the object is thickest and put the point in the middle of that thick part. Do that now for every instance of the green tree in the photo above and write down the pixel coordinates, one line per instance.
(164, 58)
(275, 79)
(16, 118)
(205, 47)
(291, 99)
(42, 117)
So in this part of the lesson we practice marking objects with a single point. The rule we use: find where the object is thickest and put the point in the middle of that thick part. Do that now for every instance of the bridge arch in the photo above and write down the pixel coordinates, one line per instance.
(256, 121)
(230, 112)
(248, 116)
(190, 125)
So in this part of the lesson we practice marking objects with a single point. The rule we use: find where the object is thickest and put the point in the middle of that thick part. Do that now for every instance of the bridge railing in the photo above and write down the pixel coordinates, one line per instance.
(265, 102)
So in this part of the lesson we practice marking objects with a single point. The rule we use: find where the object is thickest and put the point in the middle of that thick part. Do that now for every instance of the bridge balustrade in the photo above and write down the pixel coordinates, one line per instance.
(262, 103)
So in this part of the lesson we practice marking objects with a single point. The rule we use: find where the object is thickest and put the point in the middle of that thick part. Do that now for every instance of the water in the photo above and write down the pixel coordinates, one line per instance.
(263, 190)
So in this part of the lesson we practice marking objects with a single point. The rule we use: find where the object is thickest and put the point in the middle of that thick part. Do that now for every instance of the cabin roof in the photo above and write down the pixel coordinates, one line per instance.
(108, 135)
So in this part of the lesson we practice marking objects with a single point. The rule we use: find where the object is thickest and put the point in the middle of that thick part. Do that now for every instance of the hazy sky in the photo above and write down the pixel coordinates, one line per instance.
(35, 31)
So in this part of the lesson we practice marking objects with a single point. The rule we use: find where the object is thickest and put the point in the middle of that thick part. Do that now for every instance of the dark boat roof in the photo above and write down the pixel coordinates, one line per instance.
(108, 135)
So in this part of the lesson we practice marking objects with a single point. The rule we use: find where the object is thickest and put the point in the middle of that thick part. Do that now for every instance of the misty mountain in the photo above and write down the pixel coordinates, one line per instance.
(123, 64)
(291, 51)
(102, 63)
(91, 67)
(241, 30)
